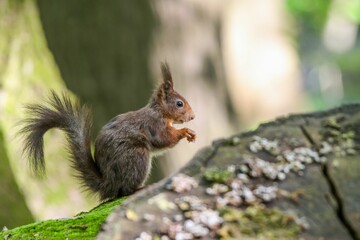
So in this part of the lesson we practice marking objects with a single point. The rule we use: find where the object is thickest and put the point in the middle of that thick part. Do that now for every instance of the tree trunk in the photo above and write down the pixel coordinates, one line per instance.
(296, 177)
(14, 211)
(102, 51)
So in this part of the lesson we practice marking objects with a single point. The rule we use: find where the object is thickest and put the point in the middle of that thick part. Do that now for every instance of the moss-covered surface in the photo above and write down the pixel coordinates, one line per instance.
(258, 221)
(83, 226)
(217, 175)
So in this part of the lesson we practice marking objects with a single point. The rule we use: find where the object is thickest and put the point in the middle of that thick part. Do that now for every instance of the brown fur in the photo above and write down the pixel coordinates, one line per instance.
(121, 162)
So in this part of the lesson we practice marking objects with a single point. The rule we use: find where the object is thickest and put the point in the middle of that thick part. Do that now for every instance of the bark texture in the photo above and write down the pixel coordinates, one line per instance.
(299, 172)
(102, 51)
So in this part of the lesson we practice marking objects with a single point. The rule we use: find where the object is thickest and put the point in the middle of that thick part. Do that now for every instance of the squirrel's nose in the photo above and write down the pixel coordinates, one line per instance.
(192, 116)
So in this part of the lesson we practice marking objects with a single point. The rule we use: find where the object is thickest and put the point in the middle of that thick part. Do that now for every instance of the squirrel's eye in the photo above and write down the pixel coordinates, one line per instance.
(179, 103)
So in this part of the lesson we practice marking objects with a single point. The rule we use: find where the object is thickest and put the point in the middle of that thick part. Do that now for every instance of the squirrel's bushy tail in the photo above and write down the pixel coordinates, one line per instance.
(76, 121)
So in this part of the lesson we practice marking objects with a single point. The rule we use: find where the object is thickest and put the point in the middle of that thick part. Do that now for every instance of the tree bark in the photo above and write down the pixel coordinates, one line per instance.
(316, 197)
(14, 211)
(102, 51)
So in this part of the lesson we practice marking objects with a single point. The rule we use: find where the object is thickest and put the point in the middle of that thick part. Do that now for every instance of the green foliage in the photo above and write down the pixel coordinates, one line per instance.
(313, 13)
(310, 19)
(83, 226)
(350, 9)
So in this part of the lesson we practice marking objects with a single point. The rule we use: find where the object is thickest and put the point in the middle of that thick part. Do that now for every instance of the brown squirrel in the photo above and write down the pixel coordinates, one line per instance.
(121, 162)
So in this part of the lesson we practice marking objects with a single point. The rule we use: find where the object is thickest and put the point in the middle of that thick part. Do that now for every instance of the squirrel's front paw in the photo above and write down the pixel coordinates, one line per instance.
(190, 135)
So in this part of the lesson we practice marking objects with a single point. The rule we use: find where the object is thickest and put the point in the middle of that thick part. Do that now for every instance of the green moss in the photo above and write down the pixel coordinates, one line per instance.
(83, 226)
(331, 122)
(217, 175)
(341, 139)
(258, 221)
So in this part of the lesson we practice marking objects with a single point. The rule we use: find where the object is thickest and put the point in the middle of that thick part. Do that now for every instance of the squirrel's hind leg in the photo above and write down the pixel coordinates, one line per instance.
(132, 169)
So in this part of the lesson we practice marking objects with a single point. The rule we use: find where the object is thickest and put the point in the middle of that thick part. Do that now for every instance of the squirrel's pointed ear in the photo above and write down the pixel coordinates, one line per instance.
(167, 78)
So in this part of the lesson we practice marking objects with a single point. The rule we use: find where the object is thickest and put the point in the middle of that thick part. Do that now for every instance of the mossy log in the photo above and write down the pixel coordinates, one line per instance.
(294, 178)
(297, 177)
(83, 226)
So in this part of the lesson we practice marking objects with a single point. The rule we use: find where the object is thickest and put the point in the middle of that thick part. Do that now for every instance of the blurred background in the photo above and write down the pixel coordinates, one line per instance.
(238, 63)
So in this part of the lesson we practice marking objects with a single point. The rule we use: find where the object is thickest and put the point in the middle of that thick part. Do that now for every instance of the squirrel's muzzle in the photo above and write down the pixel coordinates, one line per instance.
(191, 116)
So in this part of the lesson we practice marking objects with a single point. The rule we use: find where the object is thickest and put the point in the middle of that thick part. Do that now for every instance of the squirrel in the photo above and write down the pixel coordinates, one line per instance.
(122, 156)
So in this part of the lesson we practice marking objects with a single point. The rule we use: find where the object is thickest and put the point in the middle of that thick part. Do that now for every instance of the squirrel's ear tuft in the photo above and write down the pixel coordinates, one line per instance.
(167, 78)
